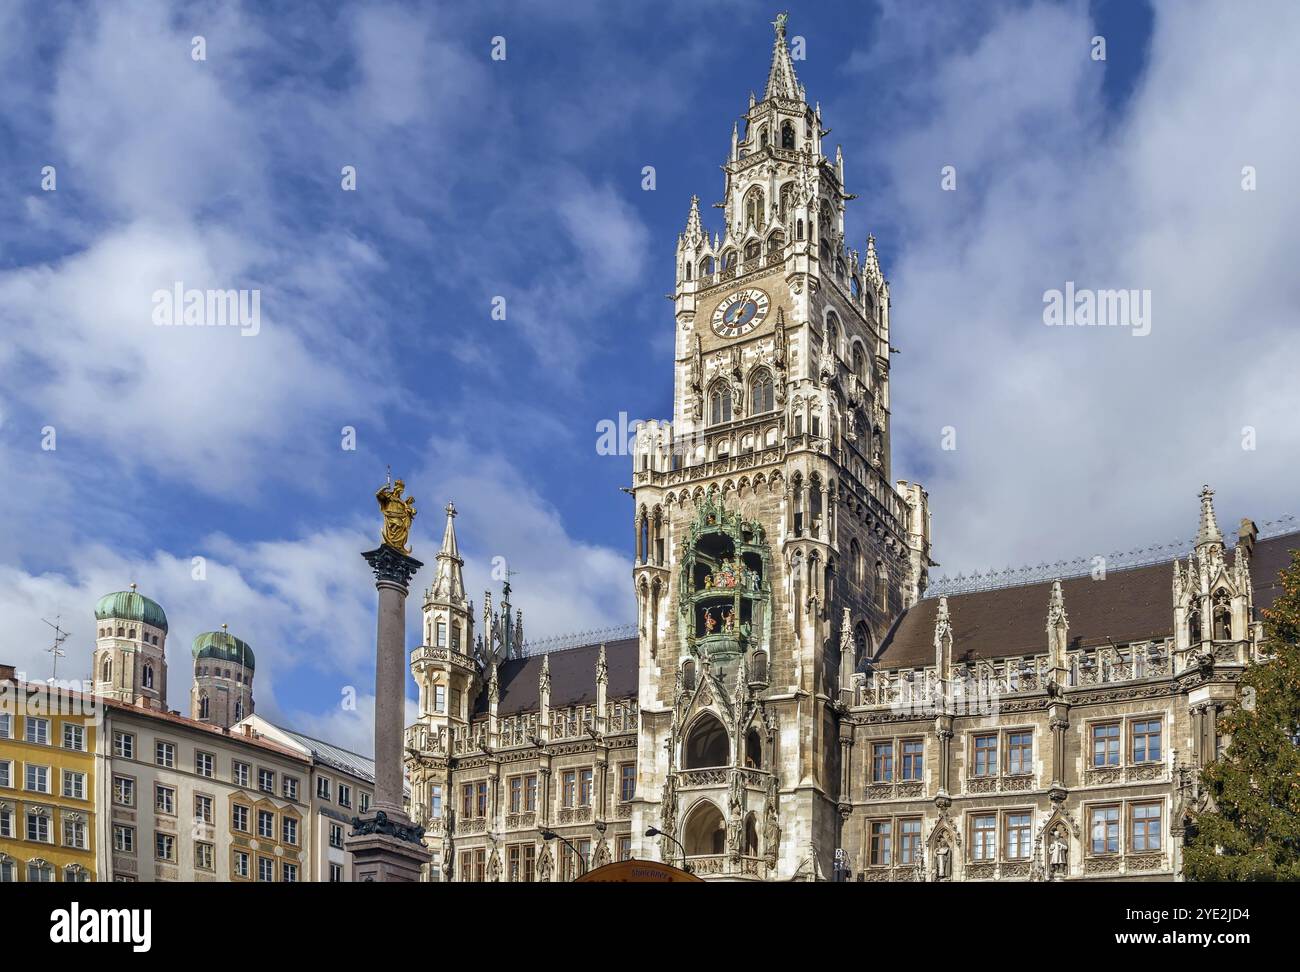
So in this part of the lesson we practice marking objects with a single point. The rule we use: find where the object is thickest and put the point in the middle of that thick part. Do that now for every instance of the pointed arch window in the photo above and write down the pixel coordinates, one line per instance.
(787, 135)
(776, 242)
(239, 709)
(203, 707)
(882, 586)
(107, 670)
(859, 363)
(762, 137)
(729, 260)
(146, 677)
(753, 250)
(755, 210)
(1222, 616)
(859, 563)
(1194, 624)
(706, 744)
(688, 269)
(833, 334)
(706, 266)
(719, 403)
(762, 397)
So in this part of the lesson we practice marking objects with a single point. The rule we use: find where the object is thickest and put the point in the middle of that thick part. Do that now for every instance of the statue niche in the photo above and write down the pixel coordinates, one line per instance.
(725, 587)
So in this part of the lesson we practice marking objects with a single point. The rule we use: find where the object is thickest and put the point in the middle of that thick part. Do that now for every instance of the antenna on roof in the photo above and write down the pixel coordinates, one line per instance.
(60, 636)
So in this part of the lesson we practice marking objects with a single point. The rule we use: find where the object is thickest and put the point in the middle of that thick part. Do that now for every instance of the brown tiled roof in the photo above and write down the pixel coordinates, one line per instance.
(1129, 605)
(229, 735)
(573, 677)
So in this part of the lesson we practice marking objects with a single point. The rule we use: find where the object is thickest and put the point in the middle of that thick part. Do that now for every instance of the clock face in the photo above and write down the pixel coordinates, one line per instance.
(740, 313)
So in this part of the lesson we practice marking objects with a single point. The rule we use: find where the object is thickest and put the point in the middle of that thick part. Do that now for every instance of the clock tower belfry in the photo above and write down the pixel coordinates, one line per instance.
(773, 551)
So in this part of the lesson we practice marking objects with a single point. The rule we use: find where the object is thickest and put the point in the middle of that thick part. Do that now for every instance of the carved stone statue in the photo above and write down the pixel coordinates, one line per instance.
(1058, 854)
(943, 861)
(398, 514)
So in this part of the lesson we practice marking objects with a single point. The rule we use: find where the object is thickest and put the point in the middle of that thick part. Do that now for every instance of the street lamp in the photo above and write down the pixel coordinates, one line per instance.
(552, 835)
(656, 832)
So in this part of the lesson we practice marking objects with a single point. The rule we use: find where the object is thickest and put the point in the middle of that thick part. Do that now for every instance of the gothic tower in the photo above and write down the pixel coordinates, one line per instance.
(772, 549)
(223, 679)
(130, 659)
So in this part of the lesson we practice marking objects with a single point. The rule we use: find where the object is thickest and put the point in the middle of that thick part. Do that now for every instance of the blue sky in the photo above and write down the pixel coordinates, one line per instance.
(522, 179)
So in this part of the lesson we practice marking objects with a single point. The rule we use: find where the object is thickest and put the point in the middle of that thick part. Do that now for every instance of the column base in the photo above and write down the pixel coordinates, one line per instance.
(386, 848)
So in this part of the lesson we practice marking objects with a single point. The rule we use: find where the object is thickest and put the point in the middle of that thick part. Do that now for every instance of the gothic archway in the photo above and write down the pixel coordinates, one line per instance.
(706, 744)
(705, 830)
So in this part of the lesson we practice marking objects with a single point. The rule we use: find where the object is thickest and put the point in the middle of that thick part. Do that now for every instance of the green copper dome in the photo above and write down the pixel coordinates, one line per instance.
(130, 606)
(223, 646)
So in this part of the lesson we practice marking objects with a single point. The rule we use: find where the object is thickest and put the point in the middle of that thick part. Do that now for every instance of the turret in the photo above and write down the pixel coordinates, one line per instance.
(130, 662)
(223, 678)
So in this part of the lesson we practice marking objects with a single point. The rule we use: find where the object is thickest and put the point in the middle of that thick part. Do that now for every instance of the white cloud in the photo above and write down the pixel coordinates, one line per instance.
(1076, 441)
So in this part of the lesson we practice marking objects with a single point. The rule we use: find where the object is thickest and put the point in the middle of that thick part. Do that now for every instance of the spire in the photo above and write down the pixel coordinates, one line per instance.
(942, 641)
(1058, 627)
(602, 667)
(1209, 531)
(781, 82)
(694, 234)
(449, 584)
(871, 263)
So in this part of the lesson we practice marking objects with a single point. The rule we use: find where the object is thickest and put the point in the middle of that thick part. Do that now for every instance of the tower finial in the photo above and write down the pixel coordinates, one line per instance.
(1209, 531)
(781, 82)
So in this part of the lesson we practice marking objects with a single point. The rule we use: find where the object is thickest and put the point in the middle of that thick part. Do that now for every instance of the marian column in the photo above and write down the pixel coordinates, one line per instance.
(385, 845)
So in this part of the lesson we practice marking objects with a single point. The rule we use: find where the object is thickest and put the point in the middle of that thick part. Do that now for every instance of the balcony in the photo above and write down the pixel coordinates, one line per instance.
(724, 866)
(425, 740)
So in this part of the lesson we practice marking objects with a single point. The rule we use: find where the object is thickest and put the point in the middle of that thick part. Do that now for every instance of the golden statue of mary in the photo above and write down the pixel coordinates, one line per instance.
(398, 514)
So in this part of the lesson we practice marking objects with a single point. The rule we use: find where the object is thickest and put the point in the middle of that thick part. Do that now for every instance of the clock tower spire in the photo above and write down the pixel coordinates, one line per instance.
(773, 549)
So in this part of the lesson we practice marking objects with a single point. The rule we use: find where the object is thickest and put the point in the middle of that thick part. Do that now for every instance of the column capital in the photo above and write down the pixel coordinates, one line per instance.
(391, 566)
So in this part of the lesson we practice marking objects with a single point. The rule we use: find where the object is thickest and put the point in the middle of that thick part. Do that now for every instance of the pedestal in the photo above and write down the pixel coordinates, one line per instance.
(385, 845)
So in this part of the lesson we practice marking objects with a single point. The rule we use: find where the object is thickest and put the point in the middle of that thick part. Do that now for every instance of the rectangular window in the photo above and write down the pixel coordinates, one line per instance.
(480, 799)
(6, 773)
(514, 863)
(289, 873)
(435, 801)
(74, 785)
(204, 856)
(1146, 741)
(530, 792)
(1105, 745)
(203, 764)
(74, 834)
(241, 864)
(74, 737)
(239, 773)
(882, 848)
(336, 874)
(289, 830)
(124, 839)
(38, 731)
(124, 791)
(164, 754)
(909, 841)
(124, 745)
(913, 760)
(6, 823)
(6, 725)
(202, 809)
(164, 846)
(882, 762)
(569, 788)
(239, 818)
(38, 779)
(265, 869)
(516, 794)
(322, 788)
(164, 799)
(266, 780)
(1144, 827)
(1020, 753)
(1019, 836)
(363, 802)
(38, 828)
(1104, 827)
(266, 824)
(584, 788)
(336, 835)
(441, 634)
(984, 837)
(345, 795)
(986, 756)
(440, 699)
(626, 782)
(625, 848)
(289, 786)
(467, 800)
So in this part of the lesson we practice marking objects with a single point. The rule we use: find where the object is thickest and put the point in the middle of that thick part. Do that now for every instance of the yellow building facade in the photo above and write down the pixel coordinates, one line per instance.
(48, 740)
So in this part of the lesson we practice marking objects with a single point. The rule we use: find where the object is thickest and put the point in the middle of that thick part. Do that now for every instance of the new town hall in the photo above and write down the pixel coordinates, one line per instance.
(794, 707)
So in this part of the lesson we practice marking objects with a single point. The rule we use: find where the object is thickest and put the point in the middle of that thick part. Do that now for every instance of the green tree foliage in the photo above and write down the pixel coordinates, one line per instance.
(1253, 831)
